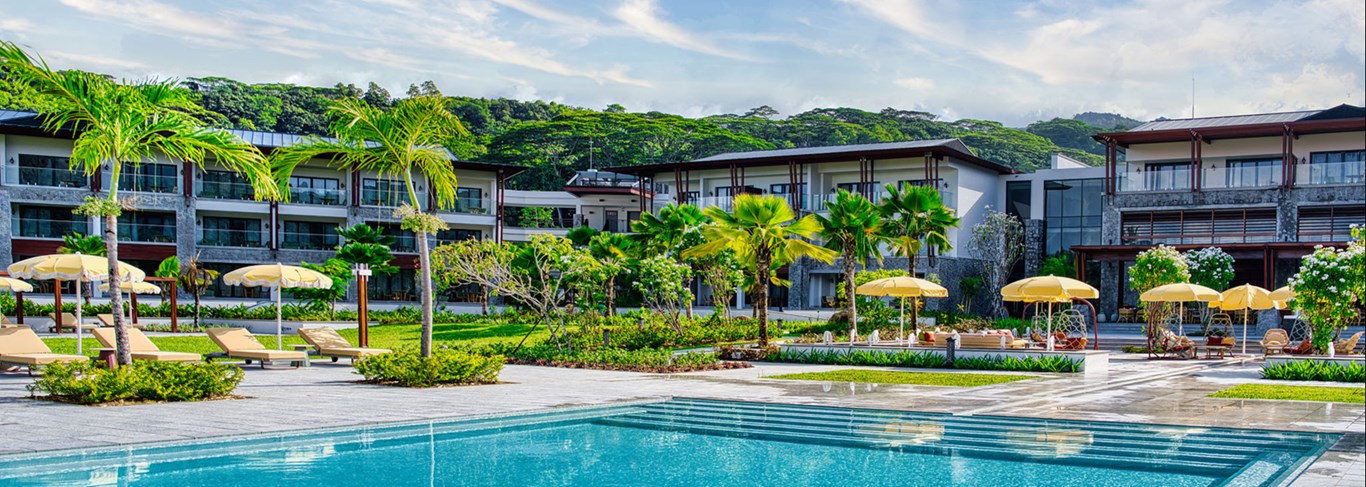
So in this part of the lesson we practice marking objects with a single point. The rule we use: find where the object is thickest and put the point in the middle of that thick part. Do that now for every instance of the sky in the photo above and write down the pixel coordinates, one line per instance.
(1010, 61)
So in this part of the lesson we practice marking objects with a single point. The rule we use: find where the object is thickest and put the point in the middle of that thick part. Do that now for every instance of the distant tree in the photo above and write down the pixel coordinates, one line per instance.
(615, 108)
(196, 280)
(1058, 265)
(1068, 133)
(763, 111)
(997, 242)
(376, 95)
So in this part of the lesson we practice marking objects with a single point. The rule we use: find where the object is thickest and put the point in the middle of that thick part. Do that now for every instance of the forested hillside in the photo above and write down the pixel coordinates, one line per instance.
(555, 139)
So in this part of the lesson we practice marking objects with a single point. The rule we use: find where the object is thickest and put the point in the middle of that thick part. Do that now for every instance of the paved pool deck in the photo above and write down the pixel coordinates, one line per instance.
(326, 395)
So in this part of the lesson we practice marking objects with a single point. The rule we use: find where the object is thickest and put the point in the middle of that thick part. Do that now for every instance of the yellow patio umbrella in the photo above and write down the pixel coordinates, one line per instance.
(1282, 294)
(139, 287)
(1048, 289)
(1246, 297)
(15, 285)
(72, 267)
(1180, 292)
(277, 276)
(903, 287)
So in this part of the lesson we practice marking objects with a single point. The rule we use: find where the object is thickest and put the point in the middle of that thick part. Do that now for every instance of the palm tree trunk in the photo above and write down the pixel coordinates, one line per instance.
(111, 239)
(849, 289)
(612, 295)
(424, 260)
(761, 295)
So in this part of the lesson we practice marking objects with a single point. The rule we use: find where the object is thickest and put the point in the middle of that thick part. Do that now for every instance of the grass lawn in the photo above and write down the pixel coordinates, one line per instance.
(917, 378)
(1355, 395)
(381, 336)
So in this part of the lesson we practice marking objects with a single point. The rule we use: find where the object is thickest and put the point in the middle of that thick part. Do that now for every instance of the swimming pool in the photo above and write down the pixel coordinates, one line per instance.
(697, 442)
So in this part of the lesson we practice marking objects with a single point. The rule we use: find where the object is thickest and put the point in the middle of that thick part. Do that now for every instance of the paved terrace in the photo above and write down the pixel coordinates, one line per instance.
(326, 395)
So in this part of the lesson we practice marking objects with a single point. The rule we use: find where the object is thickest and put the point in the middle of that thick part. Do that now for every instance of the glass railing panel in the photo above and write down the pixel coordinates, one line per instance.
(226, 190)
(143, 232)
(304, 196)
(57, 178)
(233, 238)
(44, 228)
(1330, 173)
(309, 241)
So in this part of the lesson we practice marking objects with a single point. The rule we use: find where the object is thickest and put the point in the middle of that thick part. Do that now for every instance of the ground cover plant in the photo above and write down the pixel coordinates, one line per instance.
(409, 368)
(926, 360)
(916, 378)
(639, 360)
(87, 383)
(1316, 370)
(1354, 395)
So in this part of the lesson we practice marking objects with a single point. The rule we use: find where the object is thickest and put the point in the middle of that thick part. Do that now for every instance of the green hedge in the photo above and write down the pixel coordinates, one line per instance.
(926, 360)
(445, 367)
(1316, 370)
(86, 383)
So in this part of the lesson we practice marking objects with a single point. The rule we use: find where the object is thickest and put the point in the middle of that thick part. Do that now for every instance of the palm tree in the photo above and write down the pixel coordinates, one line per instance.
(83, 244)
(914, 217)
(852, 230)
(119, 124)
(406, 140)
(675, 228)
(612, 250)
(195, 279)
(762, 233)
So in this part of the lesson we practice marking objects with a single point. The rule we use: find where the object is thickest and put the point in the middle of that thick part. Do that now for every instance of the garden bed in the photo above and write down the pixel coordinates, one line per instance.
(1085, 361)
(655, 369)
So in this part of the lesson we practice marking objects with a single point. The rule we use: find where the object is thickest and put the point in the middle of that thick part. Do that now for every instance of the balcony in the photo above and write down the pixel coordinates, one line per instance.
(327, 197)
(1330, 173)
(56, 178)
(148, 184)
(474, 206)
(233, 238)
(43, 228)
(1266, 176)
(1171, 178)
(224, 190)
(390, 198)
(145, 232)
(309, 241)
(593, 181)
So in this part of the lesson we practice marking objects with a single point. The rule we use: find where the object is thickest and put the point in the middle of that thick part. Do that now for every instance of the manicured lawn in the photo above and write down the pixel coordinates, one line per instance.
(1356, 395)
(917, 378)
(381, 336)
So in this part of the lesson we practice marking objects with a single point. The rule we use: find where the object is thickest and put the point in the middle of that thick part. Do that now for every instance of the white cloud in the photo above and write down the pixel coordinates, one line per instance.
(1317, 86)
(15, 24)
(916, 84)
(87, 60)
(643, 16)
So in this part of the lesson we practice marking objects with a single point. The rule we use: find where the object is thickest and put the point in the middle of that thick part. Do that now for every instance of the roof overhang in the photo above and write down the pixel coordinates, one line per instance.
(587, 190)
(1301, 127)
(1245, 250)
(899, 153)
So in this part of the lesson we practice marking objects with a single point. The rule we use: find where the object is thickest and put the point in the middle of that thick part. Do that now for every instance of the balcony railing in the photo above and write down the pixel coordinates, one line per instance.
(375, 197)
(57, 178)
(1330, 173)
(44, 228)
(143, 232)
(604, 181)
(1176, 179)
(477, 206)
(1239, 177)
(309, 241)
(226, 190)
(330, 197)
(233, 238)
(148, 184)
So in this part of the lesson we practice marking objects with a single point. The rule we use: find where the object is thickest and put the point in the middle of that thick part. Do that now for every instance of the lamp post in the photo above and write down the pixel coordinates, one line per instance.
(362, 273)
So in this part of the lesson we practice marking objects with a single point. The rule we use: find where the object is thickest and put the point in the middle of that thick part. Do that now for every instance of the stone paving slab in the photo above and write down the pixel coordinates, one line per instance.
(327, 395)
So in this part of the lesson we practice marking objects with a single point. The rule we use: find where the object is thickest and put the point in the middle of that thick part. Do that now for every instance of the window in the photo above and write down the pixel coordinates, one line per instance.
(404, 240)
(1338, 167)
(1253, 225)
(1019, 198)
(151, 178)
(1253, 173)
(314, 191)
(1172, 176)
(50, 171)
(457, 235)
(398, 286)
(788, 189)
(383, 192)
(631, 217)
(469, 200)
(609, 221)
(225, 185)
(309, 236)
(46, 222)
(538, 217)
(147, 227)
(867, 188)
(1330, 223)
(689, 196)
(1072, 213)
(231, 232)
(217, 289)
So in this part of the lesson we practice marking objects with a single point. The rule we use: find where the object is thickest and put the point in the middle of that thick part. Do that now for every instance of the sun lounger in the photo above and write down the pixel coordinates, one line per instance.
(329, 343)
(1348, 346)
(973, 340)
(4, 323)
(21, 347)
(68, 323)
(238, 343)
(107, 320)
(1274, 341)
(141, 347)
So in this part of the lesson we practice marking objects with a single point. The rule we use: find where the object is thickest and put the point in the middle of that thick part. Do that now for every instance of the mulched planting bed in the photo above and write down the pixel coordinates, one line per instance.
(631, 368)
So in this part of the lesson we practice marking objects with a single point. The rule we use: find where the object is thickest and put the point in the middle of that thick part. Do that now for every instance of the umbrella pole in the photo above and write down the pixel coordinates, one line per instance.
(902, 331)
(279, 338)
(1244, 331)
(78, 317)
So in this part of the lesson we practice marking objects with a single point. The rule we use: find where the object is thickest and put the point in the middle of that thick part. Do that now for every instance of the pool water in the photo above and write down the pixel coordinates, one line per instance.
(702, 442)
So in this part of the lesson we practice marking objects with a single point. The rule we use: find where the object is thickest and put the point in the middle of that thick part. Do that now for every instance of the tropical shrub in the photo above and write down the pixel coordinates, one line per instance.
(87, 383)
(1316, 370)
(1210, 267)
(642, 360)
(1158, 266)
(925, 359)
(409, 368)
(1328, 289)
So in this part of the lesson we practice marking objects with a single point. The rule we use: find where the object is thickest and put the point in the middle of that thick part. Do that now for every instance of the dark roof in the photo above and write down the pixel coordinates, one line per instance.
(1342, 118)
(1203, 122)
(29, 122)
(945, 147)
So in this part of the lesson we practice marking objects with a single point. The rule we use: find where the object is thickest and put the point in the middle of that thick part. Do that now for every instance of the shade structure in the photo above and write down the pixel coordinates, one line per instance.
(277, 276)
(72, 267)
(1246, 297)
(1181, 292)
(903, 287)
(140, 287)
(1282, 294)
(15, 285)
(1041, 289)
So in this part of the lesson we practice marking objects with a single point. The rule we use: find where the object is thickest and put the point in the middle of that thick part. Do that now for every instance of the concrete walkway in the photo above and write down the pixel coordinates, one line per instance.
(325, 395)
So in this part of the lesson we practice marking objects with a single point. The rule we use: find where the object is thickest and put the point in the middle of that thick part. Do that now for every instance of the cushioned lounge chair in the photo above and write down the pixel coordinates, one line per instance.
(68, 323)
(21, 347)
(329, 343)
(1348, 346)
(238, 343)
(107, 320)
(141, 347)
(1274, 341)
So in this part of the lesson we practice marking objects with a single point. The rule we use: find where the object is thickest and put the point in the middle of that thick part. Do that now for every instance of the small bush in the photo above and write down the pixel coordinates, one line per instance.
(927, 360)
(1316, 370)
(85, 383)
(445, 367)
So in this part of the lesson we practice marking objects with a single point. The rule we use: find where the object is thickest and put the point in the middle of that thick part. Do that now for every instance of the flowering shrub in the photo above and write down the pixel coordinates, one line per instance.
(1210, 267)
(1158, 266)
(1328, 289)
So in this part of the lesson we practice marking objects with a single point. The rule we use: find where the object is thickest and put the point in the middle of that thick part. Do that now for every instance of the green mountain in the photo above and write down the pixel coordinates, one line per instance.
(555, 140)
(1109, 122)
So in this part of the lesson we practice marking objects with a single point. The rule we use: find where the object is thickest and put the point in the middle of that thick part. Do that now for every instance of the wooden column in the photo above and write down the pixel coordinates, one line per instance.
(1294, 161)
(678, 186)
(1199, 162)
(175, 308)
(187, 179)
(19, 307)
(500, 186)
(1192, 164)
(133, 301)
(793, 198)
(57, 303)
(275, 225)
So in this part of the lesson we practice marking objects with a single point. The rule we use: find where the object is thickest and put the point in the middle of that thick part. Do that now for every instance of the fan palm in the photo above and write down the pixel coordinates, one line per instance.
(762, 233)
(676, 227)
(613, 250)
(118, 124)
(401, 142)
(915, 218)
(852, 230)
